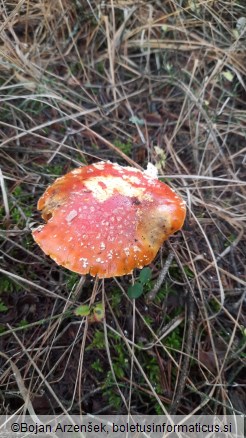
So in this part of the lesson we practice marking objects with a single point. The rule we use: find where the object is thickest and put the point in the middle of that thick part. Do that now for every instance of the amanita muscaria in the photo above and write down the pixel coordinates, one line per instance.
(106, 220)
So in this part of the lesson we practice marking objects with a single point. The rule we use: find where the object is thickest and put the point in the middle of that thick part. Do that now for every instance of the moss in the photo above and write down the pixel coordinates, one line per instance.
(124, 147)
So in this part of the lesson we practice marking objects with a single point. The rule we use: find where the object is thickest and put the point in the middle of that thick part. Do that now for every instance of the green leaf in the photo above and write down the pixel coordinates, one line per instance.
(228, 75)
(145, 275)
(136, 120)
(98, 313)
(164, 27)
(135, 290)
(83, 310)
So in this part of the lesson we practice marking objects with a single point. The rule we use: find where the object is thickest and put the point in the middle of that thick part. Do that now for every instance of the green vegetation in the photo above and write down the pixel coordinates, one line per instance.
(136, 290)
(163, 82)
(124, 147)
(111, 394)
(72, 279)
(3, 307)
(6, 284)
(174, 340)
(54, 169)
(97, 366)
(98, 341)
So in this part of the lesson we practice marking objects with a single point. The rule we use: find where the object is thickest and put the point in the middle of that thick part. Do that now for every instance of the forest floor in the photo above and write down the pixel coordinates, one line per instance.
(131, 82)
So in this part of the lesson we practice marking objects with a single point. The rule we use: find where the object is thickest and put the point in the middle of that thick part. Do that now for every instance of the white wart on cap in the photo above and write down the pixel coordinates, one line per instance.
(106, 220)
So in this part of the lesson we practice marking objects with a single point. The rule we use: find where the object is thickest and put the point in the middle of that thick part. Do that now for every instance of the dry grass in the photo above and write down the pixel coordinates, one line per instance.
(130, 81)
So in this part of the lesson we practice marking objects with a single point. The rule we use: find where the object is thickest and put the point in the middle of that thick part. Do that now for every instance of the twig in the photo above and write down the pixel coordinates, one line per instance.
(152, 294)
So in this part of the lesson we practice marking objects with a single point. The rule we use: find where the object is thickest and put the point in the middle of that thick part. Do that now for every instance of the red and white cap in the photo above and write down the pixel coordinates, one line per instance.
(106, 220)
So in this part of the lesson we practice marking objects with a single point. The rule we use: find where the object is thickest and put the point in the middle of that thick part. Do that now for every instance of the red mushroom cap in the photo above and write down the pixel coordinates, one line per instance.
(106, 220)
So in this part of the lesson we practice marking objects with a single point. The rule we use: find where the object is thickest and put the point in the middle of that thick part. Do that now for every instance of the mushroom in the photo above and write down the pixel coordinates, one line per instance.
(105, 219)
